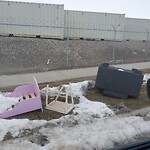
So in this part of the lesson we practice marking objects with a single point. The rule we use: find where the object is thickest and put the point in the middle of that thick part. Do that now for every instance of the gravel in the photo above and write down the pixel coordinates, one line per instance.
(26, 55)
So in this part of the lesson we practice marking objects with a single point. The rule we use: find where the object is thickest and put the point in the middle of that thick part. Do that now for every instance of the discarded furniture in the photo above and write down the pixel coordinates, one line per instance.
(118, 82)
(60, 106)
(30, 100)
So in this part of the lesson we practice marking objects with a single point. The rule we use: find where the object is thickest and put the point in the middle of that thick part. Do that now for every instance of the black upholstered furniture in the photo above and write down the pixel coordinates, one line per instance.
(118, 82)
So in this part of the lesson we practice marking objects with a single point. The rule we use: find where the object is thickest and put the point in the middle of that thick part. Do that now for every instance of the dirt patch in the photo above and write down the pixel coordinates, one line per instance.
(132, 103)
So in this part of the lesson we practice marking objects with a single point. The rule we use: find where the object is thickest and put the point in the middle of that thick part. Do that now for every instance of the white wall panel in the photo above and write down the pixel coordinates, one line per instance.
(22, 18)
(80, 24)
(136, 29)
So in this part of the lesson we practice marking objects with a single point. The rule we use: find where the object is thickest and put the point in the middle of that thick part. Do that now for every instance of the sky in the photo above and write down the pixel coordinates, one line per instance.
(131, 8)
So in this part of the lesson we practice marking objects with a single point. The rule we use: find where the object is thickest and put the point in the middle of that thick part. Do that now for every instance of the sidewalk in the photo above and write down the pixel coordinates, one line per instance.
(50, 76)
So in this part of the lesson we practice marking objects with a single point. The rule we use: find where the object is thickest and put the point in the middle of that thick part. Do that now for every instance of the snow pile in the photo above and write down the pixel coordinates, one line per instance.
(51, 91)
(78, 89)
(85, 132)
(97, 109)
(7, 102)
(145, 78)
(16, 127)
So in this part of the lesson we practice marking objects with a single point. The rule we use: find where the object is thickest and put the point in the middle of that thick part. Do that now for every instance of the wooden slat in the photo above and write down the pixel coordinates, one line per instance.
(62, 96)
(20, 98)
(26, 96)
(32, 95)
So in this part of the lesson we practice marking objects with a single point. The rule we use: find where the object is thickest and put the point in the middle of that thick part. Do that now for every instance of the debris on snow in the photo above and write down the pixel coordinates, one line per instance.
(121, 107)
(40, 139)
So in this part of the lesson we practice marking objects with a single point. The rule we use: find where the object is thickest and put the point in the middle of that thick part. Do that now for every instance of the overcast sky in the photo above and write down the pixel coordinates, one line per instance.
(131, 8)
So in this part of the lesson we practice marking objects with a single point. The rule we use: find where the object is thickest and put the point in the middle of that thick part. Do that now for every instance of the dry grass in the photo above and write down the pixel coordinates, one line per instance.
(146, 70)
(132, 103)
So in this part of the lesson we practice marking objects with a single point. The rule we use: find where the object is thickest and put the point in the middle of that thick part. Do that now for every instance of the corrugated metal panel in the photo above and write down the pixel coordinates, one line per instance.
(22, 18)
(79, 24)
(136, 29)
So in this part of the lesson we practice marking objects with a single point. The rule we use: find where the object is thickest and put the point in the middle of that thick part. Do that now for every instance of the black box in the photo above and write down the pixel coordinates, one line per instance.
(118, 82)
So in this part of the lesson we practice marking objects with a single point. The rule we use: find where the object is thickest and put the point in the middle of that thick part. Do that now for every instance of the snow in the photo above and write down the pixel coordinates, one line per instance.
(51, 91)
(92, 133)
(17, 126)
(7, 102)
(94, 108)
(120, 69)
(83, 131)
(78, 89)
(145, 78)
(92, 125)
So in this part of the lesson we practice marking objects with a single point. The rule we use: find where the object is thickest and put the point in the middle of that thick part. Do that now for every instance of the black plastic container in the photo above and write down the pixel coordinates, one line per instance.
(148, 88)
(118, 82)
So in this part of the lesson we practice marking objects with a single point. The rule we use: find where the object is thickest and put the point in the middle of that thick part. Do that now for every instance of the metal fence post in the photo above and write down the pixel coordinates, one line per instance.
(147, 35)
(114, 40)
(67, 48)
